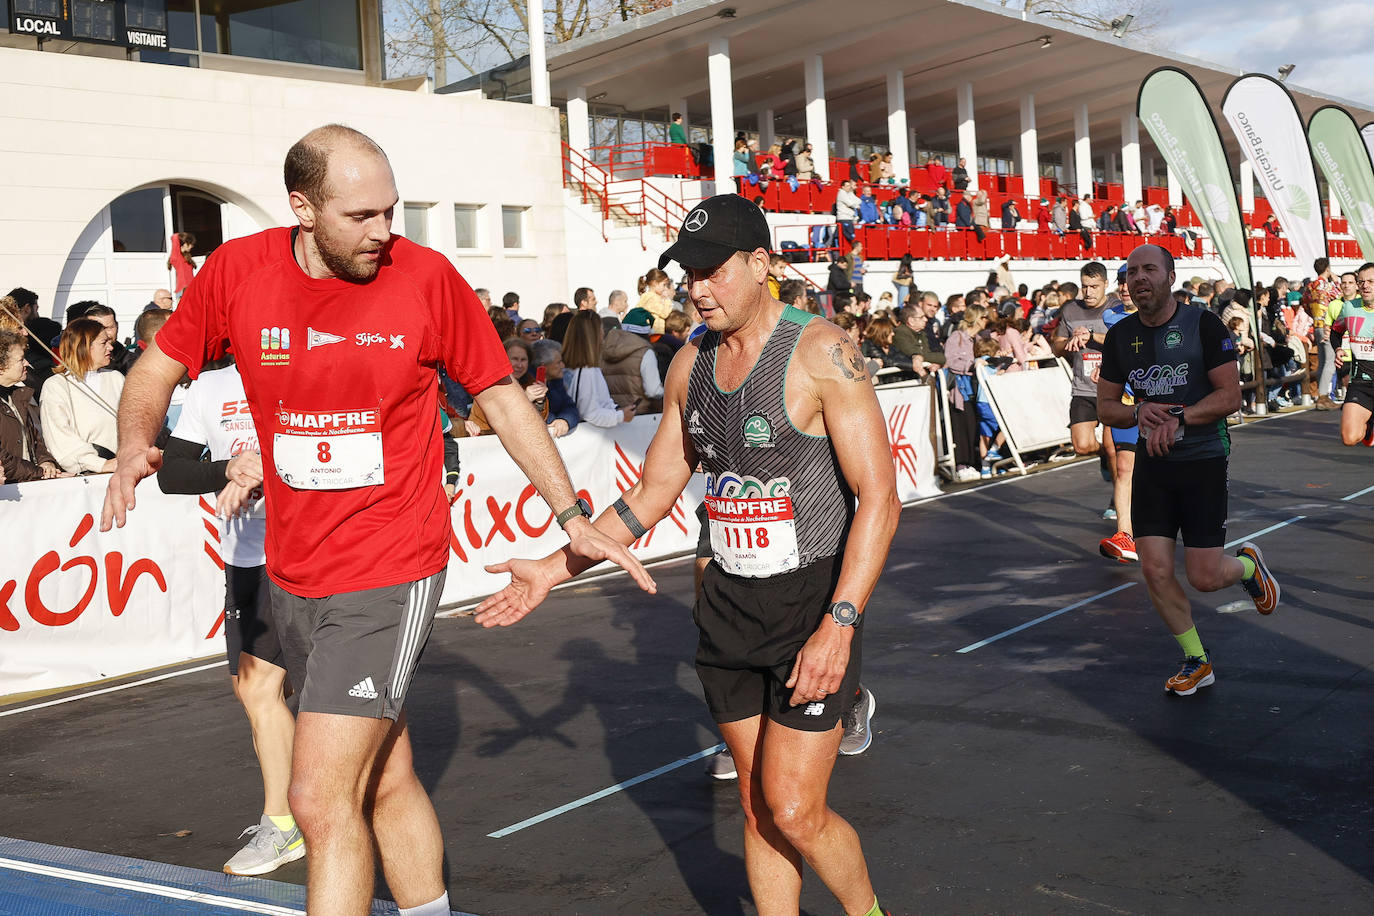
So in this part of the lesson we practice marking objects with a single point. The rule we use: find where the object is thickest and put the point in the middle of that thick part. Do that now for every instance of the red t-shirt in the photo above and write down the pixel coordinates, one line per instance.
(341, 380)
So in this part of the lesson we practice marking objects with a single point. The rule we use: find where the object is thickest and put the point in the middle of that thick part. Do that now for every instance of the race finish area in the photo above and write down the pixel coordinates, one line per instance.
(1026, 757)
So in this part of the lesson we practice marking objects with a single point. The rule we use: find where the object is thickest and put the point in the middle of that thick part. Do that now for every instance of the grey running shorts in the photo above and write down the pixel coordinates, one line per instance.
(354, 653)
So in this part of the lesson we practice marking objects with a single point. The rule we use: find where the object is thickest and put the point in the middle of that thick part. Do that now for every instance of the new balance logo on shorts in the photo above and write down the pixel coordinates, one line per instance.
(364, 689)
(813, 709)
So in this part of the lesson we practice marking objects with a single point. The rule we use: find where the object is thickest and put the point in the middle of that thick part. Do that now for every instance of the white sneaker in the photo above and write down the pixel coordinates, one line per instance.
(722, 766)
(965, 474)
(269, 849)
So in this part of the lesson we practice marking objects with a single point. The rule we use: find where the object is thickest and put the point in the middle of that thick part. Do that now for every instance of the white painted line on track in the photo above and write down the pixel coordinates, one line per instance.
(1030, 623)
(156, 890)
(1359, 493)
(1078, 604)
(1263, 531)
(96, 693)
(611, 790)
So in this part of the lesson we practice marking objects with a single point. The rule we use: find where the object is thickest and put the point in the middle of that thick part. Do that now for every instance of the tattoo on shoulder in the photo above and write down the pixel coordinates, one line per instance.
(849, 361)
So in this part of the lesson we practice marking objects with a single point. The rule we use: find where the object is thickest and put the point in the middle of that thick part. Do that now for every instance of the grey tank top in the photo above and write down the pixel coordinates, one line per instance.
(751, 451)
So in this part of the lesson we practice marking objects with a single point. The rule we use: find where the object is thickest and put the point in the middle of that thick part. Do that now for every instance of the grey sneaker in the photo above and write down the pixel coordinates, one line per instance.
(722, 766)
(268, 850)
(857, 735)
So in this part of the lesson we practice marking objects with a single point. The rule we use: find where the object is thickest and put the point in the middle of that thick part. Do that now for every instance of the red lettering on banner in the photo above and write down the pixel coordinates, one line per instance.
(7, 619)
(117, 590)
(498, 511)
(525, 525)
(118, 586)
(46, 565)
(904, 454)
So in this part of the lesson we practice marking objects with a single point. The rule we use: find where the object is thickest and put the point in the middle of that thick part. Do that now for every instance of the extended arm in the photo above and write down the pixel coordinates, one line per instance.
(667, 468)
(527, 440)
(147, 391)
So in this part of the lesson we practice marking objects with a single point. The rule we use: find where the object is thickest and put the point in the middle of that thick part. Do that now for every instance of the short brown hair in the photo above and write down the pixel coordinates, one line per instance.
(677, 322)
(75, 346)
(9, 339)
(307, 161)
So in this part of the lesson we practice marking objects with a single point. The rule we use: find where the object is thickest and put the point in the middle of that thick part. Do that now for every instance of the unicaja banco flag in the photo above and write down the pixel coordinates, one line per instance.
(1340, 152)
(1266, 121)
(1173, 110)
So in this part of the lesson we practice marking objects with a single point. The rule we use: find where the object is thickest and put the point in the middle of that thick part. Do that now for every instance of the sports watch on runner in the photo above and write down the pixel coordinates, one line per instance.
(581, 507)
(844, 614)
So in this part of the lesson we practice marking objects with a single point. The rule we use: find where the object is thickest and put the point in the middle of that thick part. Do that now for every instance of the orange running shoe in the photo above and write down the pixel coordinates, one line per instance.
(1196, 672)
(1119, 547)
(1262, 586)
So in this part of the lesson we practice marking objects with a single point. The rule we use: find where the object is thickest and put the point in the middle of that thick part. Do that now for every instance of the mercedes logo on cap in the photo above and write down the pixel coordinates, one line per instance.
(696, 220)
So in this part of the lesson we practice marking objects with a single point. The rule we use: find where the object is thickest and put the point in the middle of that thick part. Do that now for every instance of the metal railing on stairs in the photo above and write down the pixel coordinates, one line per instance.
(626, 201)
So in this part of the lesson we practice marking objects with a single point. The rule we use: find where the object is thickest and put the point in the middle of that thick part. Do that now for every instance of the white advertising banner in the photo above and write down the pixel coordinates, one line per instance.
(79, 605)
(1267, 124)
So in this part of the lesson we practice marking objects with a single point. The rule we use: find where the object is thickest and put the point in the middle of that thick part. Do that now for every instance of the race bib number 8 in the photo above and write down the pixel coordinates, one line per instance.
(754, 536)
(328, 450)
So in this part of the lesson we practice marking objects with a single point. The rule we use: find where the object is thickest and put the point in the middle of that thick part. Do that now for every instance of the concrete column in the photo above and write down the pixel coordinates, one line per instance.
(1149, 171)
(579, 125)
(1333, 204)
(1029, 149)
(1111, 170)
(842, 139)
(539, 70)
(968, 134)
(1175, 189)
(722, 113)
(1132, 186)
(1082, 152)
(896, 126)
(817, 133)
(1068, 169)
(765, 119)
(1247, 185)
(911, 156)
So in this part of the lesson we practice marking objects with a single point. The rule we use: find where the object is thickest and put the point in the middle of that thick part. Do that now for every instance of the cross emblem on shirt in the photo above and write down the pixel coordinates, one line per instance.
(1136, 345)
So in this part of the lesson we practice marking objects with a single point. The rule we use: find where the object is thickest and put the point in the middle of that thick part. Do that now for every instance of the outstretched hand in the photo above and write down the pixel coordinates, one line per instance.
(587, 541)
(529, 585)
(119, 495)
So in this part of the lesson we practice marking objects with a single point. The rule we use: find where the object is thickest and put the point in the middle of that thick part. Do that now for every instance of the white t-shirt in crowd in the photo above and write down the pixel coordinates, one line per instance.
(215, 414)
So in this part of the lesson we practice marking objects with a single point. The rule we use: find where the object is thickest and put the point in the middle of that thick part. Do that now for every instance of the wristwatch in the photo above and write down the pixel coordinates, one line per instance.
(844, 614)
(581, 507)
(1176, 412)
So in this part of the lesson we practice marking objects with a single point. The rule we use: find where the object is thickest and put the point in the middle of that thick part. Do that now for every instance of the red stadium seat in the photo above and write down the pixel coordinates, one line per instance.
(1073, 246)
(958, 244)
(939, 244)
(918, 243)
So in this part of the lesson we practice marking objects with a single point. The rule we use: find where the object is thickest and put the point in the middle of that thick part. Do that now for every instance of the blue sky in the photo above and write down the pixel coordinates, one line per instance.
(1330, 42)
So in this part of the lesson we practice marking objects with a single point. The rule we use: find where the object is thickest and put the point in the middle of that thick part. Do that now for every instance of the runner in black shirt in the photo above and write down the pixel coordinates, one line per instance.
(1181, 363)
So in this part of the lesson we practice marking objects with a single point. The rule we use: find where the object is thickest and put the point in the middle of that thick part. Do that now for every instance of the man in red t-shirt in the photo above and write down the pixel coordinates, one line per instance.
(339, 329)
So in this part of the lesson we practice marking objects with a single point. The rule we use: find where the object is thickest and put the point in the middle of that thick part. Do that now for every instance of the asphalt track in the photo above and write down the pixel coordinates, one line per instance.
(1041, 771)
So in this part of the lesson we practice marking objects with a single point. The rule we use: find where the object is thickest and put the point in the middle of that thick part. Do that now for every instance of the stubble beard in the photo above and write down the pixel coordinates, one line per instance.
(349, 265)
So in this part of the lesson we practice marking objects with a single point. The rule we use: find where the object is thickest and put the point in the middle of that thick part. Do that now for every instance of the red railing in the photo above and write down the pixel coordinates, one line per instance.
(629, 200)
(646, 160)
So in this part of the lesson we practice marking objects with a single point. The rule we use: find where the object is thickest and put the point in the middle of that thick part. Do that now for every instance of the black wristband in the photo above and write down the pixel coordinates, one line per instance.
(627, 516)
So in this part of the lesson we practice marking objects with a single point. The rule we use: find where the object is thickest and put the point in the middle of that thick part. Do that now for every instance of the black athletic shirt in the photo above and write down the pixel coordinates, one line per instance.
(1169, 365)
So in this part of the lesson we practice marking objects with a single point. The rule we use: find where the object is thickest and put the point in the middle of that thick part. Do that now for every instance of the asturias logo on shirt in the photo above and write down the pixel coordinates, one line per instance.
(275, 346)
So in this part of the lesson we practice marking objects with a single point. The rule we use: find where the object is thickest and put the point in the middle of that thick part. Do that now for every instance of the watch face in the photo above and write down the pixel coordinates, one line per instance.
(844, 613)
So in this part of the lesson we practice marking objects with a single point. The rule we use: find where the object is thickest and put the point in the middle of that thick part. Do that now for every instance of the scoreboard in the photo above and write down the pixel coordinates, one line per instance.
(130, 23)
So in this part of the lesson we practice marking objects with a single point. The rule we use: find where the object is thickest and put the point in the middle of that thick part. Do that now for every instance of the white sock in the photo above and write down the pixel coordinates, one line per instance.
(436, 907)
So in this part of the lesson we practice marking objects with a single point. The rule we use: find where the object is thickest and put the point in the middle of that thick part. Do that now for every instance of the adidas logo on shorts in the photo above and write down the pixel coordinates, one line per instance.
(813, 709)
(364, 690)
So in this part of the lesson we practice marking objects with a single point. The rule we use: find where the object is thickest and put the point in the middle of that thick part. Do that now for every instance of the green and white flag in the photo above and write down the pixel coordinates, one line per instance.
(1266, 121)
(1342, 156)
(1173, 110)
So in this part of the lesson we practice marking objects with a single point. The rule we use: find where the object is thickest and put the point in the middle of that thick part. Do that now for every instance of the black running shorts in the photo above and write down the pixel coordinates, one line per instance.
(1169, 497)
(248, 623)
(1082, 409)
(1360, 394)
(353, 654)
(751, 631)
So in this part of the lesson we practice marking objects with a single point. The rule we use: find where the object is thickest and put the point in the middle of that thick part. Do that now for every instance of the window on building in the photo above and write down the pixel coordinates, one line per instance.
(198, 213)
(137, 221)
(465, 232)
(417, 223)
(512, 227)
(321, 32)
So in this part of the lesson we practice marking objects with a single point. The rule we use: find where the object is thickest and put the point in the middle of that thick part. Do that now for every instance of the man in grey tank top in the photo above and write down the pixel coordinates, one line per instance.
(802, 506)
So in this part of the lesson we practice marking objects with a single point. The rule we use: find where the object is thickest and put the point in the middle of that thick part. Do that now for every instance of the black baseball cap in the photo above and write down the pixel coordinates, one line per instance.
(715, 229)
